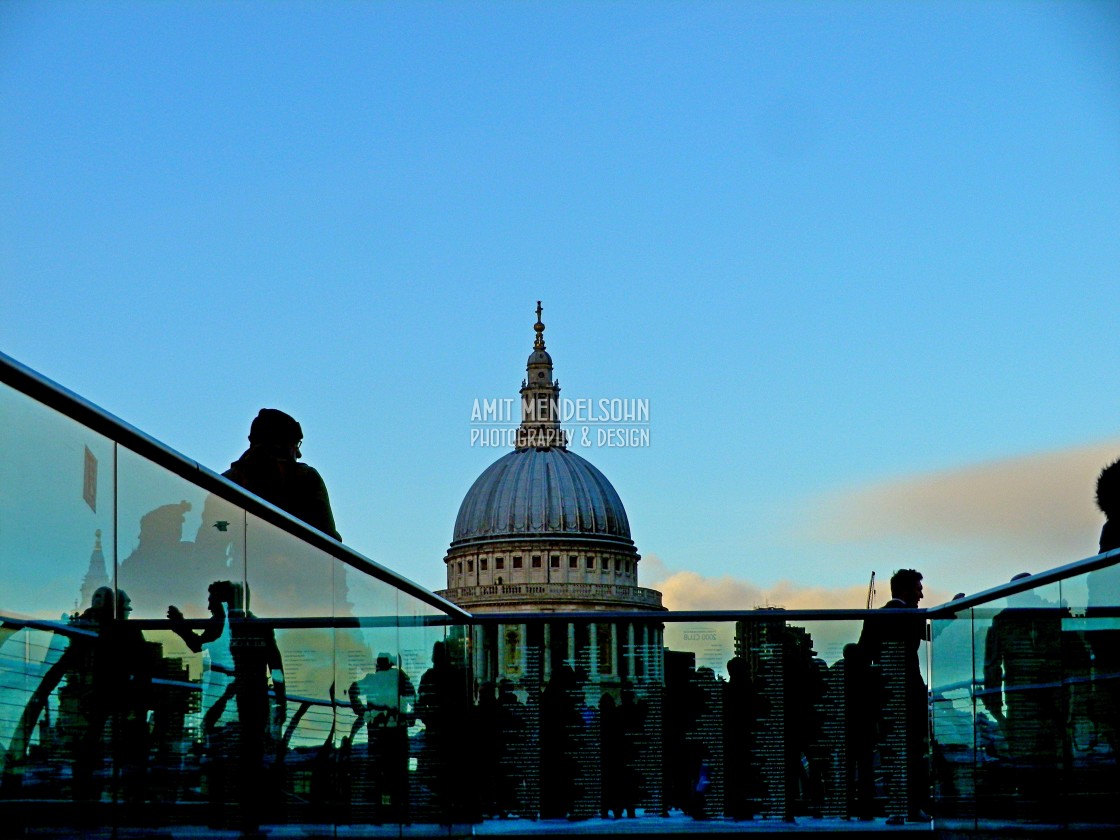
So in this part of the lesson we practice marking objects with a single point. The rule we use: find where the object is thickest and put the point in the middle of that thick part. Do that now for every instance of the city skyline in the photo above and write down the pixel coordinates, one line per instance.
(856, 260)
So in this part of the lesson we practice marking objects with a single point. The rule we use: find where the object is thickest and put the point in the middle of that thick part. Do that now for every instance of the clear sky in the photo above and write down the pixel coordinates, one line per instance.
(861, 258)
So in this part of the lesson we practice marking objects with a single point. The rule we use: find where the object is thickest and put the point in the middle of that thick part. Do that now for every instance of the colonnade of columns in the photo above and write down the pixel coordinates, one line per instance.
(503, 652)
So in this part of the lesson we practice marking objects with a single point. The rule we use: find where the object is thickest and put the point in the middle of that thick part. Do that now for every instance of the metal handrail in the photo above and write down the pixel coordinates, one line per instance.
(77, 408)
(81, 410)
(1079, 567)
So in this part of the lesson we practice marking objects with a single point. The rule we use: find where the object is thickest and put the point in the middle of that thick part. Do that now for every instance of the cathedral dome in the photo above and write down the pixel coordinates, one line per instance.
(541, 492)
(542, 529)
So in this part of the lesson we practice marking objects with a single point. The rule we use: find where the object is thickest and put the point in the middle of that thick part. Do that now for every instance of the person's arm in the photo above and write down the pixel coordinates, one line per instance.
(180, 629)
(194, 641)
(279, 689)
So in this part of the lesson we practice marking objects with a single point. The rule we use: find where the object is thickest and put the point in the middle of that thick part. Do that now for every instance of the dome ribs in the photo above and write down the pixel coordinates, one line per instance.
(531, 492)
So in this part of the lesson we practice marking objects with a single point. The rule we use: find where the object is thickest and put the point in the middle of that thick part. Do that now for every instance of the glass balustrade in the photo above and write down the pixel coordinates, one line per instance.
(176, 655)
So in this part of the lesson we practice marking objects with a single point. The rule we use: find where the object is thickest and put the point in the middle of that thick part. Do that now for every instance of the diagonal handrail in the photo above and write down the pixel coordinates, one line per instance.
(77, 408)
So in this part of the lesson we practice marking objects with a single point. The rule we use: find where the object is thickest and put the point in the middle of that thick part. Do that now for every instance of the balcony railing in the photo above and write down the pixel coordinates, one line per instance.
(328, 695)
(533, 593)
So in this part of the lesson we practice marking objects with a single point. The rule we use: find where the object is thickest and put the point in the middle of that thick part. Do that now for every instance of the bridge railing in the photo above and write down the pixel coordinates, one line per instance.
(313, 687)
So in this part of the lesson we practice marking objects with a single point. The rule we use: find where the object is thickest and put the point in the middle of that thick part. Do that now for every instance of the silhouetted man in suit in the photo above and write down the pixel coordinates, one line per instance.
(906, 635)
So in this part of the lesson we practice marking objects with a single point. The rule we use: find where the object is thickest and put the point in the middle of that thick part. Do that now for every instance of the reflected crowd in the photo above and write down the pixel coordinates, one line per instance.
(197, 715)
(228, 673)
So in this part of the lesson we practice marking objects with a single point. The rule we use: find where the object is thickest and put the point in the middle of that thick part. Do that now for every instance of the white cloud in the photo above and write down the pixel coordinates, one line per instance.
(691, 591)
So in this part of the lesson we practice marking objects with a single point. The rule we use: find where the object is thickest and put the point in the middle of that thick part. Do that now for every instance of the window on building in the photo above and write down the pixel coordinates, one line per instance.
(536, 561)
(470, 566)
(591, 562)
(554, 561)
(499, 562)
(573, 562)
(517, 562)
(618, 564)
(460, 566)
(483, 564)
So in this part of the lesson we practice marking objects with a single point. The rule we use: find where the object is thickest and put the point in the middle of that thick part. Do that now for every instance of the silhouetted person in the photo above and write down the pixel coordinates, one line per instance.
(562, 735)
(687, 774)
(443, 705)
(499, 725)
(903, 638)
(109, 678)
(1103, 609)
(620, 727)
(740, 710)
(1108, 500)
(162, 559)
(236, 716)
(383, 702)
(516, 744)
(803, 688)
(1023, 670)
(270, 468)
(862, 702)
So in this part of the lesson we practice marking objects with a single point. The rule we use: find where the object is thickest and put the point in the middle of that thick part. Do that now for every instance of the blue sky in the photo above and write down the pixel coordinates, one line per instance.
(849, 252)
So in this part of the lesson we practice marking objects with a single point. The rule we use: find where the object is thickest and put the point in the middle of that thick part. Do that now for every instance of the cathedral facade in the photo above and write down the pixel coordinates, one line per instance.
(542, 530)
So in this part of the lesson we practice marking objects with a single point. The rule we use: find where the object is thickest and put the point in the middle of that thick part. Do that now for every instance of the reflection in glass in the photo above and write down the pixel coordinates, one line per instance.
(175, 539)
(56, 506)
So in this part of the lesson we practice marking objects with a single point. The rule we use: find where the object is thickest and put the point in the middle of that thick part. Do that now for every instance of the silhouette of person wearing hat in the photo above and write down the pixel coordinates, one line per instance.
(270, 468)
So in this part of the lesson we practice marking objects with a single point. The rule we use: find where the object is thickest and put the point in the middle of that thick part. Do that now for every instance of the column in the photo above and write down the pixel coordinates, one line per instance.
(501, 652)
(631, 652)
(546, 665)
(593, 653)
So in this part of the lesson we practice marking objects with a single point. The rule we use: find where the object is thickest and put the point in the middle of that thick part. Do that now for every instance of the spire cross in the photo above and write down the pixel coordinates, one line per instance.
(538, 343)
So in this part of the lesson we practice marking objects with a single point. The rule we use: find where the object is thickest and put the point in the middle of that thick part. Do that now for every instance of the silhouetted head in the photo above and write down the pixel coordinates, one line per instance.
(906, 585)
(225, 595)
(110, 603)
(1108, 490)
(384, 661)
(272, 427)
(439, 654)
(1028, 597)
(736, 667)
(102, 600)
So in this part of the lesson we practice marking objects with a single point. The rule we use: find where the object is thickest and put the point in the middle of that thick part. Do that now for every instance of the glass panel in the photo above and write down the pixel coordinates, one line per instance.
(37, 743)
(1091, 646)
(1021, 726)
(955, 725)
(443, 775)
(56, 510)
(175, 539)
(290, 593)
(635, 718)
(376, 692)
